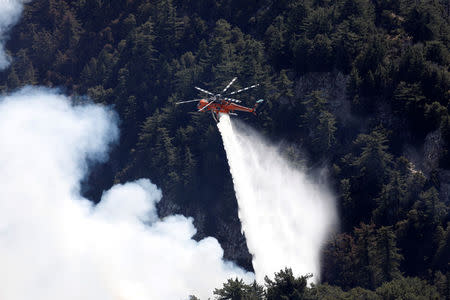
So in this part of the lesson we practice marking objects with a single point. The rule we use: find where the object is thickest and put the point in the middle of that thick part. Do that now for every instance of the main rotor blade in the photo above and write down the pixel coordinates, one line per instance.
(206, 106)
(182, 102)
(244, 89)
(204, 91)
(233, 100)
(228, 86)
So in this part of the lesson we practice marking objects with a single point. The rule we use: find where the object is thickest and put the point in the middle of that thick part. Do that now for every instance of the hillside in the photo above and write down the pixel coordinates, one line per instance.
(360, 88)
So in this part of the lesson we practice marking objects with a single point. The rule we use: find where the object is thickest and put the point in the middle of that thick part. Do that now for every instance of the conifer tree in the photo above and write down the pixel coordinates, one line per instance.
(365, 246)
(286, 286)
(387, 255)
(319, 122)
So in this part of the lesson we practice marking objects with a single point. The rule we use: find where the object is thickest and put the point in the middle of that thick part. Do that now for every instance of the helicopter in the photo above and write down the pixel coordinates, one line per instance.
(221, 103)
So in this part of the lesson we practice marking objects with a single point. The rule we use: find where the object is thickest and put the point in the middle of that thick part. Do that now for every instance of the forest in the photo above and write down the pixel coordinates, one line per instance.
(358, 87)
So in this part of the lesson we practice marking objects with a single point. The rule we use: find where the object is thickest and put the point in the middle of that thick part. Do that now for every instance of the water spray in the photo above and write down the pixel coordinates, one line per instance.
(285, 216)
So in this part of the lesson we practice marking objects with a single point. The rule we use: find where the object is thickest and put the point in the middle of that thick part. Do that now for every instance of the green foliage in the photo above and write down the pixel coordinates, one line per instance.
(339, 266)
(319, 122)
(408, 288)
(422, 22)
(236, 289)
(140, 57)
(291, 288)
(327, 292)
(367, 259)
(387, 255)
(437, 52)
(285, 286)
(409, 99)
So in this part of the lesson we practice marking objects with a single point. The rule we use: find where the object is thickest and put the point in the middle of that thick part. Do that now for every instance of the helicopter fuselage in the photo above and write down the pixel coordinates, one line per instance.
(223, 106)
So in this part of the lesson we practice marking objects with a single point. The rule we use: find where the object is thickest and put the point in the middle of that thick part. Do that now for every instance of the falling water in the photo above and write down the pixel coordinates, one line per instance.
(285, 216)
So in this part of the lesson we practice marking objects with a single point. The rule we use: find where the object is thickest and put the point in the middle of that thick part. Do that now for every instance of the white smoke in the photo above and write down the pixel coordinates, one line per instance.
(54, 244)
(286, 217)
(10, 11)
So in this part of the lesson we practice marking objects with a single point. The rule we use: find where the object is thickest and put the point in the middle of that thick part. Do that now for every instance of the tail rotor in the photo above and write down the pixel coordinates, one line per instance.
(258, 103)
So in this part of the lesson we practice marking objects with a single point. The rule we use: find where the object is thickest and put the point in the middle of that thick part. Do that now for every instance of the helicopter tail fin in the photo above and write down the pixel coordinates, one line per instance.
(260, 101)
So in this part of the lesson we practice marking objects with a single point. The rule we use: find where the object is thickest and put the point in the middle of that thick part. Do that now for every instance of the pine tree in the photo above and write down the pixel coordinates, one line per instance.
(189, 171)
(408, 288)
(357, 8)
(255, 292)
(388, 203)
(365, 246)
(286, 286)
(409, 100)
(374, 160)
(348, 205)
(412, 64)
(387, 255)
(71, 30)
(89, 74)
(319, 122)
(320, 54)
(167, 27)
(373, 165)
(421, 23)
(440, 260)
(275, 41)
(236, 289)
(339, 262)
(422, 228)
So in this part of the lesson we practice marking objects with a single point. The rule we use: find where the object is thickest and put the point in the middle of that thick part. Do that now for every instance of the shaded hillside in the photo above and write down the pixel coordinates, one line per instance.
(361, 87)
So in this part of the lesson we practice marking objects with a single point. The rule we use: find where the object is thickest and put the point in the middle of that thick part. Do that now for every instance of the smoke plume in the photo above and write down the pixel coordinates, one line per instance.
(10, 11)
(54, 244)
(285, 217)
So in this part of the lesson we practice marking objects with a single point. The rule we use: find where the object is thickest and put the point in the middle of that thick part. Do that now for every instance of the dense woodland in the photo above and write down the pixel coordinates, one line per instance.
(393, 58)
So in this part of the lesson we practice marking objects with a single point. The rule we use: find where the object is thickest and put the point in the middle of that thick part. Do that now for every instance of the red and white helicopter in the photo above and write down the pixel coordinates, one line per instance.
(221, 103)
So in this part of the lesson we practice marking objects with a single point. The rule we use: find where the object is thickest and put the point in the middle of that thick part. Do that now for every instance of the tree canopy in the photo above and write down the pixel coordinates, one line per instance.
(361, 86)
